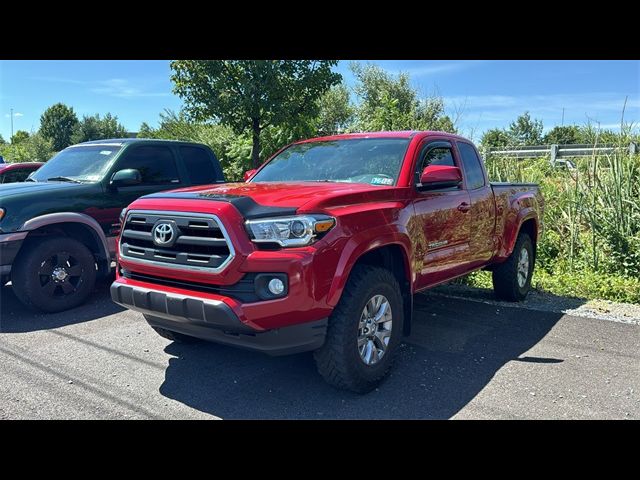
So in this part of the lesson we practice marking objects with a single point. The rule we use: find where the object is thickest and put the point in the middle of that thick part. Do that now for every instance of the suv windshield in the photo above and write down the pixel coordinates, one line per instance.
(375, 161)
(87, 163)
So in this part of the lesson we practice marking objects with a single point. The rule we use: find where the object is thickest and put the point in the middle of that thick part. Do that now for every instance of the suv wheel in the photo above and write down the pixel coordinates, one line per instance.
(364, 331)
(54, 274)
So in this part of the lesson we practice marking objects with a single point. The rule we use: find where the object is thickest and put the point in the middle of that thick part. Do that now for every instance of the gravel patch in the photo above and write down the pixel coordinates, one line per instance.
(546, 302)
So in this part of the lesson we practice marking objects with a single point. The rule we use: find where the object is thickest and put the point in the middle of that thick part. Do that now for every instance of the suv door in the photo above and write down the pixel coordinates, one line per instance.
(159, 170)
(442, 218)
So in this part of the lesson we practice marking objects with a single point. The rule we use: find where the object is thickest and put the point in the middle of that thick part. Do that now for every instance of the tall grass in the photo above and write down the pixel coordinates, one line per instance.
(591, 221)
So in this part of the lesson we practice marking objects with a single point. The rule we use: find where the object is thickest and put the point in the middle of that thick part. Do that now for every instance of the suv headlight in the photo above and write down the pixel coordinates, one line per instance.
(293, 231)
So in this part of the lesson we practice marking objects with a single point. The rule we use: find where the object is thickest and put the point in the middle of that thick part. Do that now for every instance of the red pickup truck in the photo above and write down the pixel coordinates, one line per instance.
(324, 246)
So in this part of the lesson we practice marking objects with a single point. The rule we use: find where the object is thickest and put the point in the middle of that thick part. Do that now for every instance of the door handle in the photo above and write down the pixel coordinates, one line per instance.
(464, 207)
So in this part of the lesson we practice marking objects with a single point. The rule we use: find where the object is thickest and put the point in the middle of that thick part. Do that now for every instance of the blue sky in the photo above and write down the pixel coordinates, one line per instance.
(482, 94)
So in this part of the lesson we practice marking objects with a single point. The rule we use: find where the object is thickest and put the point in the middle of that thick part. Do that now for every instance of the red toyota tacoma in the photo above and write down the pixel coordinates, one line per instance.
(324, 246)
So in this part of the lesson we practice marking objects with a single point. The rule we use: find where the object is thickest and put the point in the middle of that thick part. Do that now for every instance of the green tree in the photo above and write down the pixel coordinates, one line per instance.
(2, 142)
(335, 111)
(389, 102)
(525, 130)
(145, 131)
(57, 123)
(495, 138)
(568, 134)
(21, 136)
(92, 127)
(252, 95)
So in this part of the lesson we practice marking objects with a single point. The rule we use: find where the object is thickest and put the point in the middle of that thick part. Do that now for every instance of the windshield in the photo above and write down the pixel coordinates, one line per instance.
(375, 161)
(83, 164)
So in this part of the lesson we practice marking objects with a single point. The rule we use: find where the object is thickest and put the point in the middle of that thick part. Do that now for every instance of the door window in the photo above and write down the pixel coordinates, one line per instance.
(154, 162)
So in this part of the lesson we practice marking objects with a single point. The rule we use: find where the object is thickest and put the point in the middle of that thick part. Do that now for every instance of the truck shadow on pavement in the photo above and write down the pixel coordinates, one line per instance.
(16, 318)
(455, 349)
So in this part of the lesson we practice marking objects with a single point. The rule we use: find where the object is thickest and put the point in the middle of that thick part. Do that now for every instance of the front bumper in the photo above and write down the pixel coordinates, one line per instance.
(10, 244)
(213, 320)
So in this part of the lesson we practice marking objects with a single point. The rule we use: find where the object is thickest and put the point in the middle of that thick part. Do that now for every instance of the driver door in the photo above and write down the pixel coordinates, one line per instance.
(443, 220)
(159, 171)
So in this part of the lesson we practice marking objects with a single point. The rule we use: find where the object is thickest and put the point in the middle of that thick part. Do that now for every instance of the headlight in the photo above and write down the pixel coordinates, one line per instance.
(289, 231)
(1, 213)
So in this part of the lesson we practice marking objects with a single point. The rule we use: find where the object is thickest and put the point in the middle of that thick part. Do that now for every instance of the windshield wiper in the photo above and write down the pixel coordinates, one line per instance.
(62, 179)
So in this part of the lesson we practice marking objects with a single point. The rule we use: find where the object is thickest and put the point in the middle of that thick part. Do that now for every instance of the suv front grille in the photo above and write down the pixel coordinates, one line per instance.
(196, 241)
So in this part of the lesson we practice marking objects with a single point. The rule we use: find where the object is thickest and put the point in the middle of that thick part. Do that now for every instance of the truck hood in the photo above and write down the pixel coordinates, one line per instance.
(10, 189)
(297, 195)
(26, 200)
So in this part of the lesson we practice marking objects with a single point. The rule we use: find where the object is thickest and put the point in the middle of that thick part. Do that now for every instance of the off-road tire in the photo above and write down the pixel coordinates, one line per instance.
(338, 360)
(505, 275)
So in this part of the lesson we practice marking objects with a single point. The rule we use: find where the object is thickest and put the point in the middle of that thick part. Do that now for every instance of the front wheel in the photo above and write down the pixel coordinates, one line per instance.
(512, 279)
(54, 274)
(364, 331)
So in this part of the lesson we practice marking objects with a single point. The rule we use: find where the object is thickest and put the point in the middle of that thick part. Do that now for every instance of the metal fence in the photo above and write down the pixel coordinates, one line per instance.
(555, 152)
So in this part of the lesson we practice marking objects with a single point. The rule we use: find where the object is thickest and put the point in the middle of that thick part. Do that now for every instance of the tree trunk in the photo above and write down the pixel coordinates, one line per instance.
(255, 151)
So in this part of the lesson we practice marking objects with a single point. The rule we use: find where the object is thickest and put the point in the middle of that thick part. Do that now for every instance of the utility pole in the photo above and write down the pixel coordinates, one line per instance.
(562, 124)
(11, 125)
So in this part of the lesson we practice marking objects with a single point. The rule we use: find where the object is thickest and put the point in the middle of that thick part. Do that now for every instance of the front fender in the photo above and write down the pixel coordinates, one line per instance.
(360, 244)
(71, 217)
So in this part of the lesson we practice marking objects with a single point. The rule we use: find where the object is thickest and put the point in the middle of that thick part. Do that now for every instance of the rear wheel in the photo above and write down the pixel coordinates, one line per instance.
(54, 274)
(512, 279)
(364, 331)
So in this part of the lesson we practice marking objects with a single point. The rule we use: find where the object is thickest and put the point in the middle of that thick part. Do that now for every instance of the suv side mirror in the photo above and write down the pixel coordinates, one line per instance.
(249, 173)
(126, 178)
(439, 176)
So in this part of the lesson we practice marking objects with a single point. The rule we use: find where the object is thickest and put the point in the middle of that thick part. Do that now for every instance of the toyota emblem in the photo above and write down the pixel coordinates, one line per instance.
(163, 233)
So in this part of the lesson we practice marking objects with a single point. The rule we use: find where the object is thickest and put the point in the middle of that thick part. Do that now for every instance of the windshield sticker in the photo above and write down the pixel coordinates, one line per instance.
(382, 181)
(106, 152)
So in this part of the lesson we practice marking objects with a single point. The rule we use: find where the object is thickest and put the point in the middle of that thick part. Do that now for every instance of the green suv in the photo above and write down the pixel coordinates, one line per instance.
(58, 229)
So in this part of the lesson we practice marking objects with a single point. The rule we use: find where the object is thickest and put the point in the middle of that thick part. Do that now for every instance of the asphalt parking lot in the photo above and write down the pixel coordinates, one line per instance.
(464, 359)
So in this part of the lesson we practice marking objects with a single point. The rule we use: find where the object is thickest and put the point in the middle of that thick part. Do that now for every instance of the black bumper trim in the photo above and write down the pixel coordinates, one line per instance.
(216, 322)
(178, 308)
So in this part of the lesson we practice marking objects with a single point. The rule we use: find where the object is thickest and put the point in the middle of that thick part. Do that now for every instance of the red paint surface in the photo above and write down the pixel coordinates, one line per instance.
(441, 234)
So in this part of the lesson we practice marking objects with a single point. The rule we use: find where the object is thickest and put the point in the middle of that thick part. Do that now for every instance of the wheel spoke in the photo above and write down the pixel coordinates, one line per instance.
(67, 288)
(383, 337)
(49, 287)
(382, 310)
(361, 341)
(375, 355)
(368, 352)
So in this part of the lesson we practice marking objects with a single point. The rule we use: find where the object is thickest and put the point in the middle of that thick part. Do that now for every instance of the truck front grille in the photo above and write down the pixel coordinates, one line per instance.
(195, 241)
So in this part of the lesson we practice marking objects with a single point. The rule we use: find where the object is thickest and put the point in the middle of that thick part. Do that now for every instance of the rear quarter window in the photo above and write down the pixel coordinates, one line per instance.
(473, 173)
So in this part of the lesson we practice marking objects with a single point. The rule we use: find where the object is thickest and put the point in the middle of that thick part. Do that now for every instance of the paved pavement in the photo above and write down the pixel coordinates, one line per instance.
(464, 359)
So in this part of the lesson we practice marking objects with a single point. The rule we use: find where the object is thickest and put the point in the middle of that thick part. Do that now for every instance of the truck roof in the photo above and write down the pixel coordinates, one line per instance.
(386, 134)
(123, 141)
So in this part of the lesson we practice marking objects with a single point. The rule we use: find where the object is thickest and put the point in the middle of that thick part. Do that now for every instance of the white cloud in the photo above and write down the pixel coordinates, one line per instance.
(431, 70)
(122, 88)
(15, 114)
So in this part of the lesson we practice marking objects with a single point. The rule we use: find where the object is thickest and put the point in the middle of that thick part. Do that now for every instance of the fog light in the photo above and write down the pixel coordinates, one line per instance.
(276, 286)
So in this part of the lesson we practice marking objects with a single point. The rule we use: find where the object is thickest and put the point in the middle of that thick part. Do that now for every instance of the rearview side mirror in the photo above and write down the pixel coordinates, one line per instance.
(126, 178)
(439, 176)
(249, 173)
